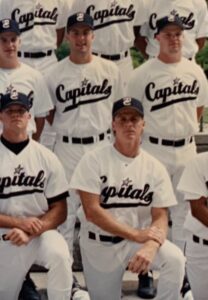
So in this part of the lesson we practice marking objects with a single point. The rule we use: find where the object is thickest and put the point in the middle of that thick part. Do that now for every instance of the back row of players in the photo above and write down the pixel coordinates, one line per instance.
(84, 86)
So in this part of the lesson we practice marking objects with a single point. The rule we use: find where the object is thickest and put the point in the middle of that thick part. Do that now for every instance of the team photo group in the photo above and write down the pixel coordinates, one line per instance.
(94, 143)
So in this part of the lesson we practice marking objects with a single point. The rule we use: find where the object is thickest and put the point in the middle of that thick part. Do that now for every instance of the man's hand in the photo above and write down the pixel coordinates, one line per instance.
(17, 237)
(31, 225)
(141, 261)
(152, 233)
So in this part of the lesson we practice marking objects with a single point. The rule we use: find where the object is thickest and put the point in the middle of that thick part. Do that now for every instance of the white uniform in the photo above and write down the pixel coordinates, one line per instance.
(170, 94)
(128, 189)
(83, 95)
(28, 81)
(193, 14)
(114, 21)
(29, 182)
(193, 184)
(38, 21)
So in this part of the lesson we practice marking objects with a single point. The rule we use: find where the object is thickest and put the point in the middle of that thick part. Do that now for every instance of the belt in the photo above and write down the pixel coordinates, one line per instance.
(3, 237)
(35, 54)
(105, 238)
(113, 56)
(172, 143)
(199, 240)
(85, 140)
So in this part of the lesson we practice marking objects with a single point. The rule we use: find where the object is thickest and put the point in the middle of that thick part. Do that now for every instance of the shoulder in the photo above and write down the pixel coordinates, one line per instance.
(105, 63)
(152, 162)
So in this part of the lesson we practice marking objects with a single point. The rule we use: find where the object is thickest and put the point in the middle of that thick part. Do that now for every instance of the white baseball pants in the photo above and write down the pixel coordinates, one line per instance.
(104, 266)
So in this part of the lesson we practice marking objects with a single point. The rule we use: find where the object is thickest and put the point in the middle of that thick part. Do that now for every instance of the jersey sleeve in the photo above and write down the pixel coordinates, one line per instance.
(163, 191)
(5, 9)
(202, 99)
(202, 16)
(86, 175)
(57, 183)
(135, 85)
(64, 13)
(193, 180)
(141, 12)
(42, 100)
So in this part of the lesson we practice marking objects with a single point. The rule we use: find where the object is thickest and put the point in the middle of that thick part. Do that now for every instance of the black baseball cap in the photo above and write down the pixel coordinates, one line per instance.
(128, 102)
(8, 25)
(169, 20)
(14, 97)
(80, 18)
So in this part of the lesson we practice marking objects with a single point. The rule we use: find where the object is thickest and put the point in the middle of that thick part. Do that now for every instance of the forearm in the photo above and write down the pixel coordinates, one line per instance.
(54, 217)
(9, 221)
(40, 122)
(160, 219)
(199, 210)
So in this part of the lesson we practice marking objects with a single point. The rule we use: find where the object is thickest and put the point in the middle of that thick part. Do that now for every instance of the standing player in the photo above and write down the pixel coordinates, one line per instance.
(194, 16)
(42, 24)
(173, 91)
(33, 191)
(193, 184)
(125, 193)
(15, 75)
(114, 25)
(82, 87)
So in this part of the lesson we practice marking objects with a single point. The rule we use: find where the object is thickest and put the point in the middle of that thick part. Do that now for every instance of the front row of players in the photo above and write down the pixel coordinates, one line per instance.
(125, 193)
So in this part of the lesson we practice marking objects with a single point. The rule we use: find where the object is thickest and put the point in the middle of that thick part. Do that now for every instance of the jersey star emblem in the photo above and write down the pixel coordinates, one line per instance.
(113, 3)
(84, 82)
(10, 89)
(176, 81)
(173, 12)
(18, 170)
(126, 182)
(38, 6)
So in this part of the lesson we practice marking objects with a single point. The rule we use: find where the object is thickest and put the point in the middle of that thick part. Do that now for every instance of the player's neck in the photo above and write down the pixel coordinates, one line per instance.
(9, 63)
(128, 149)
(169, 59)
(80, 59)
(14, 136)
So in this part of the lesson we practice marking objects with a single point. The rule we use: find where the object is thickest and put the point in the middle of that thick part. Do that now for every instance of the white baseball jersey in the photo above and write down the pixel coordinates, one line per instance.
(114, 21)
(83, 95)
(128, 187)
(29, 180)
(170, 94)
(28, 81)
(193, 183)
(38, 21)
(193, 14)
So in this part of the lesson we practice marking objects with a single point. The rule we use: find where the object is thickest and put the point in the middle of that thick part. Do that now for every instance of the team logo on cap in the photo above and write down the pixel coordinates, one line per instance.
(80, 17)
(6, 23)
(14, 95)
(171, 18)
(127, 101)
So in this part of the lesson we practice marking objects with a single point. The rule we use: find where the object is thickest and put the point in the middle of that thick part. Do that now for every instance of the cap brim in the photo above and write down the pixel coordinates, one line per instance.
(14, 102)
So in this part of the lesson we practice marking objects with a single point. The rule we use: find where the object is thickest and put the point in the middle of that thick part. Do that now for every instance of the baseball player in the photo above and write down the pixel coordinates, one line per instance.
(193, 183)
(125, 193)
(194, 16)
(82, 87)
(173, 91)
(42, 24)
(114, 24)
(33, 191)
(18, 76)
